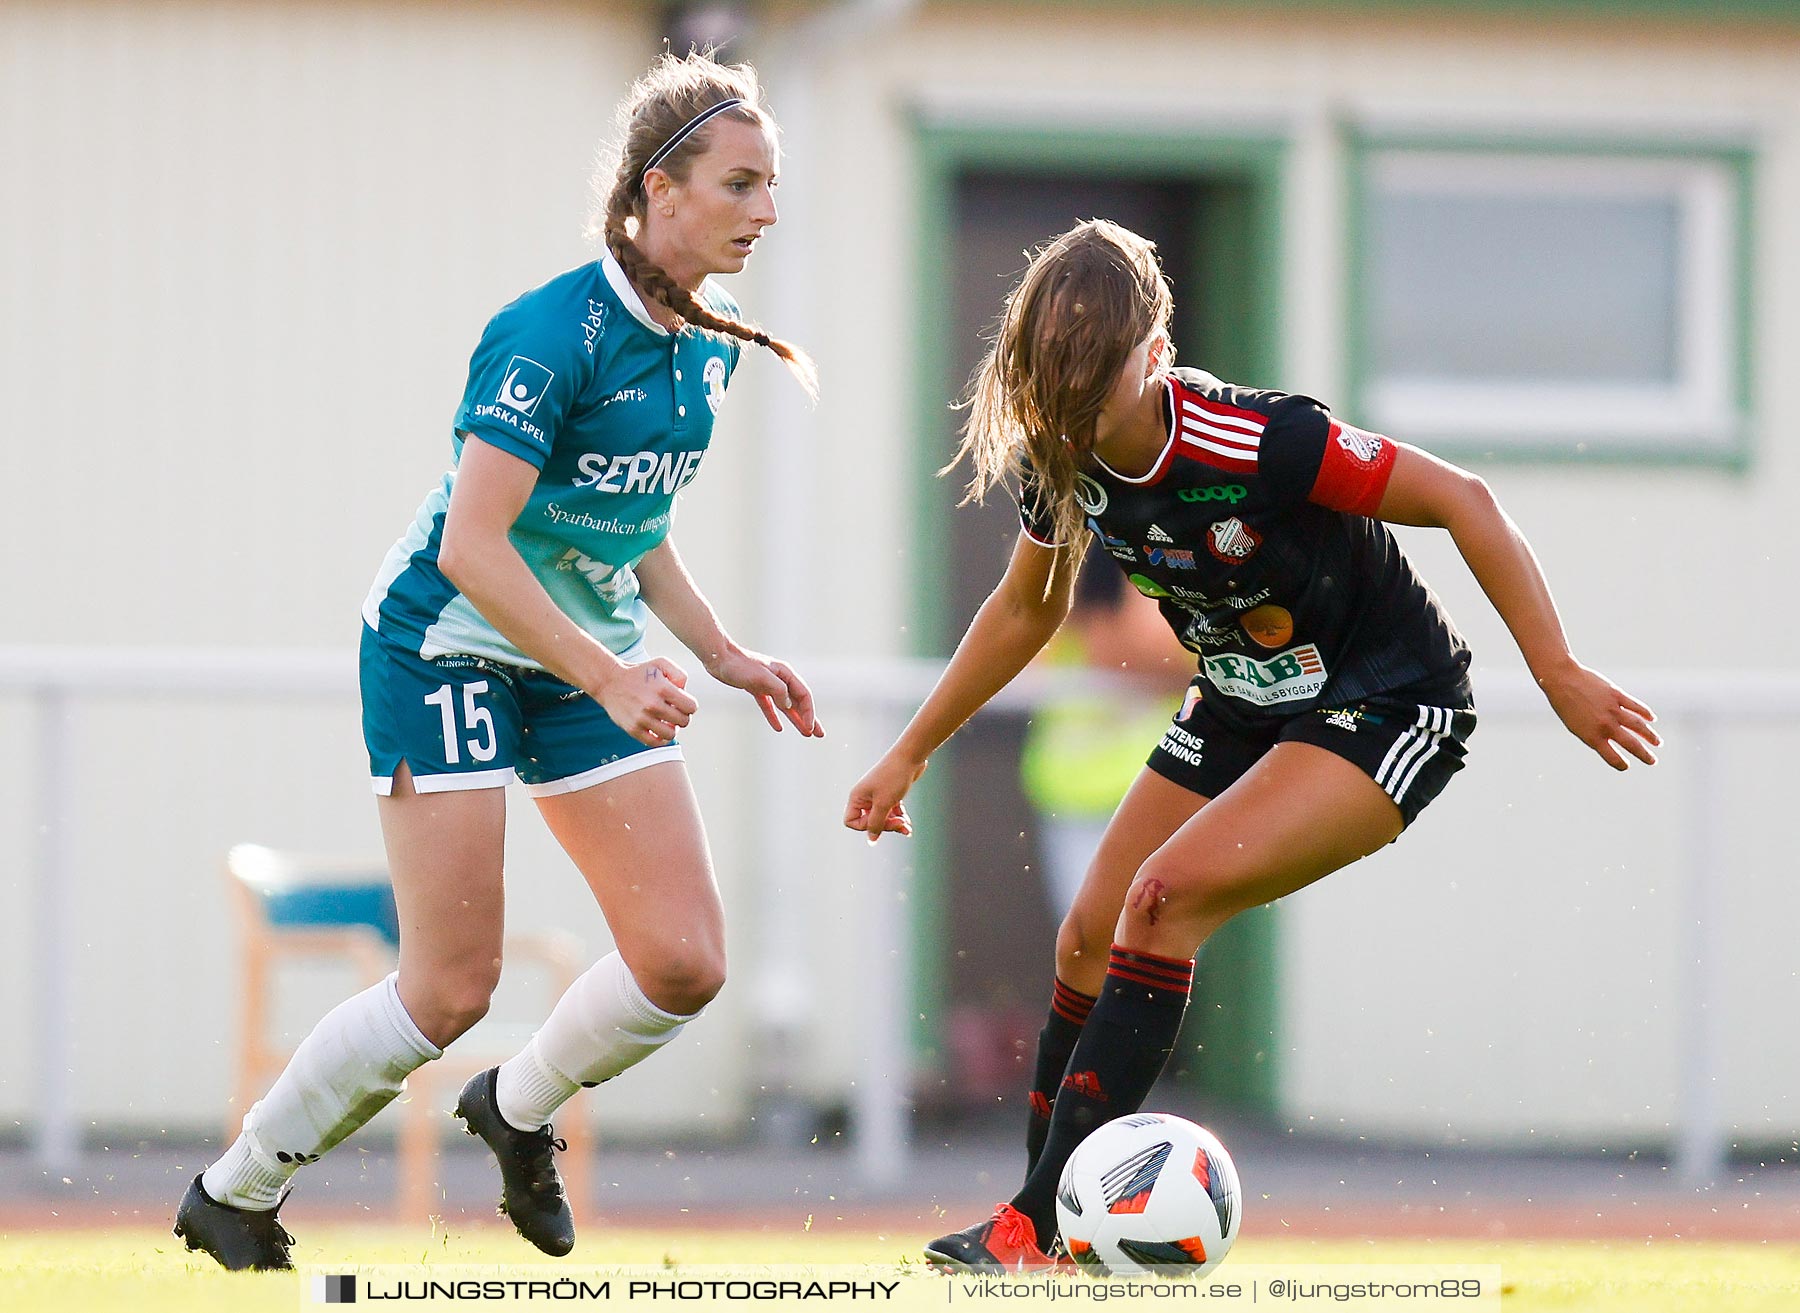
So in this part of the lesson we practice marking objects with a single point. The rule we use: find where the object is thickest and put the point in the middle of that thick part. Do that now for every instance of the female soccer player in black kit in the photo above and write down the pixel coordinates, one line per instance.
(1332, 700)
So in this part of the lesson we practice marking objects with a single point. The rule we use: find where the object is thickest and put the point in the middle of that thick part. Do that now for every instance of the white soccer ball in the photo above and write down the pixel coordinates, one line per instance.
(1149, 1193)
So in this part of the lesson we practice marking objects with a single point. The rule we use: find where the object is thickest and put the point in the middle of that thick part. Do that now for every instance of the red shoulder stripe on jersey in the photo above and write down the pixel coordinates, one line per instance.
(1210, 431)
(1354, 471)
(1202, 447)
(1219, 410)
(1223, 418)
(1223, 434)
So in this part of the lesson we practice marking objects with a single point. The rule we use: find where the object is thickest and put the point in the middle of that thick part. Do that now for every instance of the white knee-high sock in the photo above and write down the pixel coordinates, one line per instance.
(348, 1069)
(602, 1026)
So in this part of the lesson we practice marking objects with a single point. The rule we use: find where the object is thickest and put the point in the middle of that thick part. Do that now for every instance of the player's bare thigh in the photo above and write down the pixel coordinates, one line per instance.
(445, 855)
(1299, 814)
(1153, 809)
(639, 842)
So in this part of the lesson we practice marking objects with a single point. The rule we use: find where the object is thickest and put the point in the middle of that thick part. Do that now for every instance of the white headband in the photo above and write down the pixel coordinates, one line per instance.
(700, 119)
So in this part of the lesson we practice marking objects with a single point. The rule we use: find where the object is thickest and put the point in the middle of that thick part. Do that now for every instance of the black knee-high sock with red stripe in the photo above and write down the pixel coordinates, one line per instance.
(1122, 1049)
(1069, 1010)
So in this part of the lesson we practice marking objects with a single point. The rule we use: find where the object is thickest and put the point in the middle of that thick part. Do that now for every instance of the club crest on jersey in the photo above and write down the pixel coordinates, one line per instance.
(1090, 496)
(714, 378)
(1293, 676)
(524, 386)
(1232, 541)
(1360, 443)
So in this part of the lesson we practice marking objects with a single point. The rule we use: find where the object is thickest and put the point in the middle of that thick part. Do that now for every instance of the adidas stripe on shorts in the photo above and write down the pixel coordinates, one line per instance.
(1408, 748)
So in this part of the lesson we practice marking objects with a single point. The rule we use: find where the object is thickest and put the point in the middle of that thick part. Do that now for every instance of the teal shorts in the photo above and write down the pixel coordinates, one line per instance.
(465, 722)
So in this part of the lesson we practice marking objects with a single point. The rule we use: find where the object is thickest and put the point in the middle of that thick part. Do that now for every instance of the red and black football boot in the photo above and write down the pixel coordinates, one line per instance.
(1006, 1242)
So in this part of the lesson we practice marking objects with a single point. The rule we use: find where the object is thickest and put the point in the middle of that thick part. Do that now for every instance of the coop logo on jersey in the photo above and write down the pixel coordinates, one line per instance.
(1225, 492)
(641, 471)
(713, 376)
(524, 386)
(1232, 541)
(1090, 496)
(1293, 676)
(1360, 443)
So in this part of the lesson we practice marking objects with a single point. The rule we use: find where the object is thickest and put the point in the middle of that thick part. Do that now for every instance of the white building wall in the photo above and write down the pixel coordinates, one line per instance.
(248, 248)
(1513, 970)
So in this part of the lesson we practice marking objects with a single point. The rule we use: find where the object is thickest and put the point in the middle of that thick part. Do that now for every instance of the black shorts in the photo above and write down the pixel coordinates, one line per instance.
(1410, 749)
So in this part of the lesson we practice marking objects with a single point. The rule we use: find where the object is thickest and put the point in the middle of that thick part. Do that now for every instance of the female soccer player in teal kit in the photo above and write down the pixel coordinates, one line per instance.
(504, 637)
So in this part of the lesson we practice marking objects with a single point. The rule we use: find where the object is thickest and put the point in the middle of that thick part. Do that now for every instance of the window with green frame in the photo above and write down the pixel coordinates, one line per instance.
(1552, 303)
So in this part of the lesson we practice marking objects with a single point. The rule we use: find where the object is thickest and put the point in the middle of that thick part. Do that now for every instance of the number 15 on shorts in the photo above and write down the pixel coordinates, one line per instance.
(476, 732)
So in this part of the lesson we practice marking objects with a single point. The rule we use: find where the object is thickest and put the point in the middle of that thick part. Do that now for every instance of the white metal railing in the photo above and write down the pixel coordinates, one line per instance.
(52, 679)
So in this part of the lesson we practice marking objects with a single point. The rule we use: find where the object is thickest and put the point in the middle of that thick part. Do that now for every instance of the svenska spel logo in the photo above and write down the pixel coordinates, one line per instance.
(334, 1289)
(524, 386)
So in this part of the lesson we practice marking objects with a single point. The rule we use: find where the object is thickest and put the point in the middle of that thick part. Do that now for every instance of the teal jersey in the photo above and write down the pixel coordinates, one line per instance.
(616, 414)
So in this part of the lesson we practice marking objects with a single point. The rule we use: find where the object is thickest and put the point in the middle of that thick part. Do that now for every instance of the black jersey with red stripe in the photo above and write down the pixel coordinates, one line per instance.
(1254, 532)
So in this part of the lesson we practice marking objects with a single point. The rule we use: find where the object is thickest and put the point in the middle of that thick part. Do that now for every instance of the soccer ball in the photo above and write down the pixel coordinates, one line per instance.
(1149, 1193)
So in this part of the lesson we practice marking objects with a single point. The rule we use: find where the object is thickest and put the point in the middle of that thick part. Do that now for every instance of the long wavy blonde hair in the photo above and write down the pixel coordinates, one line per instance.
(1087, 299)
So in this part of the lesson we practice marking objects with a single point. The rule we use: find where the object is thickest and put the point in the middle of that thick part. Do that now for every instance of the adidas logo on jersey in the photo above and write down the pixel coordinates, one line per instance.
(1157, 534)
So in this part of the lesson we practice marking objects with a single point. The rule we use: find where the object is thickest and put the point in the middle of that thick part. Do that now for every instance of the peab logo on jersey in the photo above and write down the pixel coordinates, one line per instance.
(713, 376)
(1232, 541)
(1291, 677)
(524, 386)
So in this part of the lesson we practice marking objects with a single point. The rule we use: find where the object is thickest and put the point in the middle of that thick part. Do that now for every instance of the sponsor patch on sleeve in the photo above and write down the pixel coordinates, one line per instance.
(1354, 471)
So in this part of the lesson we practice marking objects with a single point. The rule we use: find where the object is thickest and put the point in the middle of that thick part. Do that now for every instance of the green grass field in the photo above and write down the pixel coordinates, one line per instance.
(146, 1271)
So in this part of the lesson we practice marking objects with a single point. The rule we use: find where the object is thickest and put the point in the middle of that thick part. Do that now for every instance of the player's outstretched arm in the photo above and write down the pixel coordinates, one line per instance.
(1012, 626)
(1426, 491)
(669, 590)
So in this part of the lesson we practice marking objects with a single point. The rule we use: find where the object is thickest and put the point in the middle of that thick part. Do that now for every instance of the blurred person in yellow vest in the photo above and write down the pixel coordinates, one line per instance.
(1083, 751)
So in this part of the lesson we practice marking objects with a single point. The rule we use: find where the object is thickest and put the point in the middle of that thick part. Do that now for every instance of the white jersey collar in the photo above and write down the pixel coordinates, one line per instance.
(627, 294)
